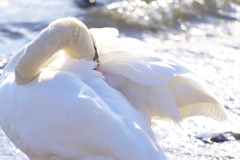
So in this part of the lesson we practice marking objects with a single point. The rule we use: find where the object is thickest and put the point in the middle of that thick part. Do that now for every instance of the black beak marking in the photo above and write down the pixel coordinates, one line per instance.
(96, 55)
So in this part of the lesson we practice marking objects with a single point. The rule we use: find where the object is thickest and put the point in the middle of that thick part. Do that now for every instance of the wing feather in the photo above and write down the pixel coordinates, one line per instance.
(167, 88)
(141, 68)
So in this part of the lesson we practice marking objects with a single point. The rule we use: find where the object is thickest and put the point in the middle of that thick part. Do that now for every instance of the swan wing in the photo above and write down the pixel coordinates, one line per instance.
(73, 116)
(160, 88)
(125, 57)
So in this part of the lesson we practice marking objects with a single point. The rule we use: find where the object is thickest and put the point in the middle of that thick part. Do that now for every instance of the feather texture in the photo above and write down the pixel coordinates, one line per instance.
(67, 111)
(159, 88)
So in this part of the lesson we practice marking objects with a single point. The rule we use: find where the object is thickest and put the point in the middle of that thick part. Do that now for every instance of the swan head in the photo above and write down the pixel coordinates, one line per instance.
(67, 34)
(77, 41)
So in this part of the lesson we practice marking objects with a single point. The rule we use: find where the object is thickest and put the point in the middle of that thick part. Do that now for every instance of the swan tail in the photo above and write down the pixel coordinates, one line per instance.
(187, 95)
(195, 99)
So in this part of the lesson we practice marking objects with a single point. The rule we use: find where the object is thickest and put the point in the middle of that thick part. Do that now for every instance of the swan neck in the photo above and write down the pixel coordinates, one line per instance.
(67, 34)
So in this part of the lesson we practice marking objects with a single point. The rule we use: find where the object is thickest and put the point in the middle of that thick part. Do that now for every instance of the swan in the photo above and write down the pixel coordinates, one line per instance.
(162, 90)
(57, 107)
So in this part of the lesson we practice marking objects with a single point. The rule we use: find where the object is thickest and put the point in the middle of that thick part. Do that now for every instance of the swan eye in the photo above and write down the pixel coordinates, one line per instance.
(96, 55)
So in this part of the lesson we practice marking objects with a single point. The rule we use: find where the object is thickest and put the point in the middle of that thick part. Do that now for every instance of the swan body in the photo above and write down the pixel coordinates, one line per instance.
(163, 90)
(62, 109)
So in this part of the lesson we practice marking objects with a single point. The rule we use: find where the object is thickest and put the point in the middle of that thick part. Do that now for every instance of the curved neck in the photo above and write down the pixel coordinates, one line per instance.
(66, 34)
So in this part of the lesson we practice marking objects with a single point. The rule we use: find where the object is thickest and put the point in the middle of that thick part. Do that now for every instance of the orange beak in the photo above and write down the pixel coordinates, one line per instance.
(96, 68)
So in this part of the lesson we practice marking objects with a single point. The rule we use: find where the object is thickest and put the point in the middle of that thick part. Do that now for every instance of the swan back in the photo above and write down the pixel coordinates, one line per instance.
(70, 112)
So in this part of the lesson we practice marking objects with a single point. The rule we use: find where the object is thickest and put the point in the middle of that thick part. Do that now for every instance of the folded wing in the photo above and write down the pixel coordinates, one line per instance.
(159, 88)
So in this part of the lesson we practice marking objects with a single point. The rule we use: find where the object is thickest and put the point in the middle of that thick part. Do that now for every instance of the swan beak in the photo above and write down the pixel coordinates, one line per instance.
(96, 54)
(96, 58)
(96, 68)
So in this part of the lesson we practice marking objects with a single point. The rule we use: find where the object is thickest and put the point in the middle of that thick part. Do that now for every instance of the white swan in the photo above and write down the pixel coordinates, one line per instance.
(160, 89)
(67, 111)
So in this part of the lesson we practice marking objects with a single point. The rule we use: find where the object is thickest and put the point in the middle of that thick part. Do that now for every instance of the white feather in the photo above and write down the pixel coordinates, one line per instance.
(159, 88)
(66, 110)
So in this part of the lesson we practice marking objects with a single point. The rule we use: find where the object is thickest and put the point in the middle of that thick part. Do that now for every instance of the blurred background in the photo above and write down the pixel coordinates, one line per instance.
(203, 33)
